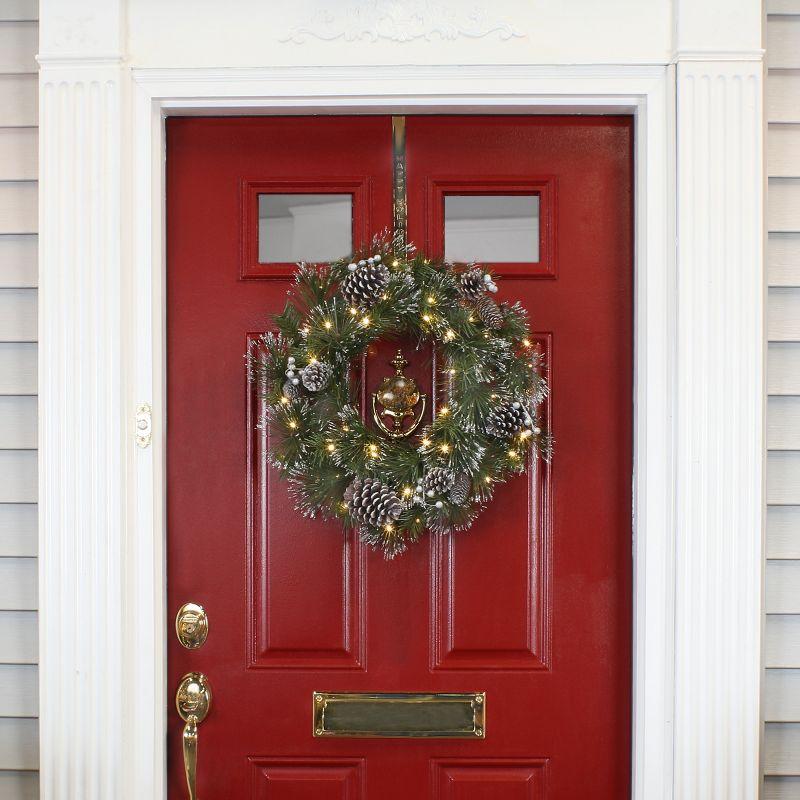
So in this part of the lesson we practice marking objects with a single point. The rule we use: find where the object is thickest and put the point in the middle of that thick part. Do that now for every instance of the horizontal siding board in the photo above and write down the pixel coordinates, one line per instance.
(783, 259)
(18, 476)
(18, 364)
(783, 6)
(781, 695)
(18, 690)
(783, 423)
(782, 748)
(19, 637)
(782, 587)
(783, 314)
(783, 150)
(29, 9)
(18, 584)
(18, 422)
(19, 154)
(19, 268)
(783, 532)
(783, 89)
(19, 43)
(782, 641)
(19, 212)
(783, 35)
(19, 744)
(18, 314)
(783, 477)
(19, 785)
(19, 100)
(18, 529)
(783, 204)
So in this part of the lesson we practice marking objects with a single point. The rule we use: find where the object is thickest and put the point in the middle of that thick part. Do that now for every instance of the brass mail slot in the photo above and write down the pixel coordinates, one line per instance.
(390, 716)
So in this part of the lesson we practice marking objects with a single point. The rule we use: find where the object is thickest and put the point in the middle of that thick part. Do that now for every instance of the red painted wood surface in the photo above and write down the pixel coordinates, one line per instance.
(533, 605)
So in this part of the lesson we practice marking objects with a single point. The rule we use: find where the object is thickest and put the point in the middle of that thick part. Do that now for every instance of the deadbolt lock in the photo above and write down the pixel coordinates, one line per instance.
(191, 626)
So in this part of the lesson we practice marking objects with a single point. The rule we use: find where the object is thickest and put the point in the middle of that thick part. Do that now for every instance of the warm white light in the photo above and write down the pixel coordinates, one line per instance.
(328, 324)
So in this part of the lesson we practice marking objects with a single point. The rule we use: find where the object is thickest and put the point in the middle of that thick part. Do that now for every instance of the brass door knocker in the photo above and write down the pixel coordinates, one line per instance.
(398, 396)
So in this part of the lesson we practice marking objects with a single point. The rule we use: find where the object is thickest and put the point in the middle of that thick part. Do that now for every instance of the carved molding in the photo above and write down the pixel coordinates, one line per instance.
(399, 21)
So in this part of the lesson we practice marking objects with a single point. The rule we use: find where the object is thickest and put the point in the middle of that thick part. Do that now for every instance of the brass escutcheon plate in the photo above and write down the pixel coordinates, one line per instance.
(191, 625)
(400, 715)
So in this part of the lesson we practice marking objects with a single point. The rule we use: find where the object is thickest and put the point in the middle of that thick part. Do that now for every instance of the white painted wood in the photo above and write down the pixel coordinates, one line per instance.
(18, 420)
(18, 477)
(718, 465)
(783, 314)
(18, 315)
(783, 423)
(19, 637)
(783, 206)
(19, 267)
(782, 641)
(19, 43)
(783, 530)
(19, 785)
(18, 207)
(19, 157)
(782, 748)
(782, 587)
(18, 584)
(18, 99)
(18, 536)
(782, 695)
(783, 259)
(783, 149)
(19, 745)
(783, 368)
(18, 365)
(18, 691)
(783, 88)
(19, 10)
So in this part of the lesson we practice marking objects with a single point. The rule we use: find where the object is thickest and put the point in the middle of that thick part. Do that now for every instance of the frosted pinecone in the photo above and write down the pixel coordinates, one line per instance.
(459, 491)
(507, 419)
(372, 503)
(316, 376)
(437, 481)
(489, 312)
(472, 283)
(291, 390)
(364, 286)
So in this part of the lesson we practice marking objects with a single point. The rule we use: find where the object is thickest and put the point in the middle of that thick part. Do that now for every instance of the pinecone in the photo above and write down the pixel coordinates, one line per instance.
(437, 481)
(472, 283)
(316, 375)
(459, 491)
(364, 286)
(372, 503)
(291, 390)
(489, 312)
(506, 420)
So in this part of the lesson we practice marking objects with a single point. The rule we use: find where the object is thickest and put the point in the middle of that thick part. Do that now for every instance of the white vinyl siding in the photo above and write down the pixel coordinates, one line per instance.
(781, 704)
(19, 706)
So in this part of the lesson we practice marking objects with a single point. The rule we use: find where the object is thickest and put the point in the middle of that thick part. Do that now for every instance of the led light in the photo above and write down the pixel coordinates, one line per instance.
(395, 263)
(494, 397)
(426, 442)
(353, 312)
(312, 359)
(292, 424)
(444, 411)
(408, 491)
(384, 296)
(431, 300)
(285, 400)
(487, 479)
(328, 324)
(345, 428)
(388, 527)
(343, 506)
(452, 372)
(525, 434)
(330, 447)
(526, 342)
(449, 334)
(445, 448)
(417, 520)
(426, 317)
(365, 321)
(470, 318)
(372, 449)
(512, 453)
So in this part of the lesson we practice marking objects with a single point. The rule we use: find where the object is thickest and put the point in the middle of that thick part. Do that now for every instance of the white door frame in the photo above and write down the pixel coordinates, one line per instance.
(698, 396)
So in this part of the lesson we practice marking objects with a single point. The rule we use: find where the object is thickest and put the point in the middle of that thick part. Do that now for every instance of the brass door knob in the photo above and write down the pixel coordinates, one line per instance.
(193, 701)
(191, 625)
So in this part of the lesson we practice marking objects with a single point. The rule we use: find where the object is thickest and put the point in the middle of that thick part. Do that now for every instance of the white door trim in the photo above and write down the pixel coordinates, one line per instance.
(698, 396)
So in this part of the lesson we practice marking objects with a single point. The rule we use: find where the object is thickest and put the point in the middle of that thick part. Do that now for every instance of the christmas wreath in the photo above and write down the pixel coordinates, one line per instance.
(393, 482)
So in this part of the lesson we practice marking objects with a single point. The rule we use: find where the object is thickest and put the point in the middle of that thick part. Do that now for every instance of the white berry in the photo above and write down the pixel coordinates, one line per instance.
(361, 263)
(515, 406)
(537, 431)
(376, 258)
(352, 267)
(487, 277)
(430, 492)
(439, 504)
(290, 373)
(295, 381)
(370, 260)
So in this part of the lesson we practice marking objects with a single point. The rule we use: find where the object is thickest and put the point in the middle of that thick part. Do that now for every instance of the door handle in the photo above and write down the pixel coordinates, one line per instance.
(193, 701)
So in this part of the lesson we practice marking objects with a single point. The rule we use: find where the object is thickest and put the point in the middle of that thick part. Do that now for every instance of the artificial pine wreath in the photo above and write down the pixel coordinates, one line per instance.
(393, 489)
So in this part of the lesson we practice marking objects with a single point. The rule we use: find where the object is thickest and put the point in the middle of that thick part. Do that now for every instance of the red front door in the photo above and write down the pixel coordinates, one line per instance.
(533, 604)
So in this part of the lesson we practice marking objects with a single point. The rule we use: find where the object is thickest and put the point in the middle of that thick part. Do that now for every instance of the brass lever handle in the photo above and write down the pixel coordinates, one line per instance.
(193, 701)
